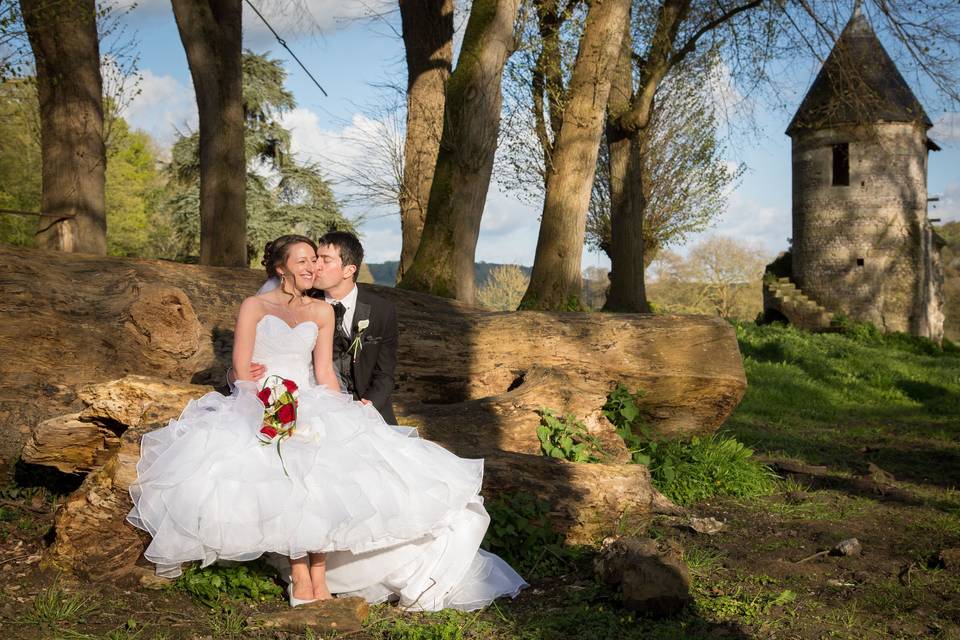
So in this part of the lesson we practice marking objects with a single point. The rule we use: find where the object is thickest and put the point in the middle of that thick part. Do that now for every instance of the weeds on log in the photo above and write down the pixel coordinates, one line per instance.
(685, 471)
(566, 438)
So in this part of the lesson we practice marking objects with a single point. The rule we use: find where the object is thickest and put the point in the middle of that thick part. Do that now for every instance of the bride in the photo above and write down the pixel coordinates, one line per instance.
(359, 507)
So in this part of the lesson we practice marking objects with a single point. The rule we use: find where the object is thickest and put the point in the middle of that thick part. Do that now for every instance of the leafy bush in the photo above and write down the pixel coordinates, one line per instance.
(622, 409)
(566, 438)
(216, 584)
(521, 533)
(690, 472)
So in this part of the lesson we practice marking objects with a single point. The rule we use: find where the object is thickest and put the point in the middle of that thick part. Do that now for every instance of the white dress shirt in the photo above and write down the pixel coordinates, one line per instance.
(349, 303)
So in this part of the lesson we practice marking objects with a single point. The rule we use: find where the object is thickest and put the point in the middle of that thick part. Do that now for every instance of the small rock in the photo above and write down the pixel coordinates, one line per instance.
(833, 582)
(879, 475)
(343, 615)
(950, 559)
(651, 576)
(848, 547)
(708, 526)
(150, 580)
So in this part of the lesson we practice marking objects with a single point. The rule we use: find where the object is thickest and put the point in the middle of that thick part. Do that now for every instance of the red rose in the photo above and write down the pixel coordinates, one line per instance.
(290, 385)
(264, 396)
(287, 414)
(268, 431)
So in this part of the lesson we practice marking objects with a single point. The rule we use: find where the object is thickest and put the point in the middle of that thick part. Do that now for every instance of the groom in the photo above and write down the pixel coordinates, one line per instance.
(365, 338)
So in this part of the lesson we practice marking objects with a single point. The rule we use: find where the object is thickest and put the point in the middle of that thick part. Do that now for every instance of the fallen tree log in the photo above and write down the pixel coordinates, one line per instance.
(469, 379)
(93, 541)
(73, 319)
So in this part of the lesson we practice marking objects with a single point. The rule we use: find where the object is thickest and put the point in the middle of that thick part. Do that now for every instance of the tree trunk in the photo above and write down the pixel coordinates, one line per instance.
(555, 281)
(211, 34)
(428, 41)
(444, 263)
(628, 200)
(65, 44)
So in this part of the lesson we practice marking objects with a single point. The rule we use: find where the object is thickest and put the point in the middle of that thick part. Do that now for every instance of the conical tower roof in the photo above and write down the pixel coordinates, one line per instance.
(858, 84)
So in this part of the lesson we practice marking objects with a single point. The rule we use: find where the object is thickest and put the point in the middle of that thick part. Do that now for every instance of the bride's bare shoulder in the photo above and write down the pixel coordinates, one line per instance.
(253, 306)
(320, 309)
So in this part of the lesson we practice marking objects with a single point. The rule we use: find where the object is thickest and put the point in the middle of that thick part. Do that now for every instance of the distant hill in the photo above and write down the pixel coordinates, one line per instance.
(385, 273)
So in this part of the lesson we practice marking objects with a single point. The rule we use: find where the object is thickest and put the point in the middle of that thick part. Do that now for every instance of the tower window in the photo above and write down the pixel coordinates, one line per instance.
(841, 164)
(859, 262)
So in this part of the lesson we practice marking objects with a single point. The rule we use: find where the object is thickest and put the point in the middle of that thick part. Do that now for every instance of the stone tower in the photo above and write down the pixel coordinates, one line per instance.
(862, 243)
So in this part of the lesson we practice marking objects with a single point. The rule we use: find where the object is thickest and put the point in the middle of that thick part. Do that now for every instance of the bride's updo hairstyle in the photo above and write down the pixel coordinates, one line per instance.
(276, 251)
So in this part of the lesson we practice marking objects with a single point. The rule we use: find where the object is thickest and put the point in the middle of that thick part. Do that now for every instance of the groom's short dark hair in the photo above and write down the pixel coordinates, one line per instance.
(348, 246)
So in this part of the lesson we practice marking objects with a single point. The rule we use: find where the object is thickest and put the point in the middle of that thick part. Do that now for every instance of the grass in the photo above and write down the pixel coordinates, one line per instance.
(691, 472)
(841, 400)
(826, 397)
(53, 606)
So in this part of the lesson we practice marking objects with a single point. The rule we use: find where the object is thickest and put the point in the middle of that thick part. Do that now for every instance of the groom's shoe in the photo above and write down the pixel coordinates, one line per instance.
(296, 602)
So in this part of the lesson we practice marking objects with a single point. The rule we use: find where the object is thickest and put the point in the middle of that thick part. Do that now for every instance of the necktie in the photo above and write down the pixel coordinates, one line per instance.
(338, 312)
(340, 335)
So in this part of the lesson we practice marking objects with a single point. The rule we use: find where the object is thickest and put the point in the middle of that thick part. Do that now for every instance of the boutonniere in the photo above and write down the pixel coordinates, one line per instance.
(357, 346)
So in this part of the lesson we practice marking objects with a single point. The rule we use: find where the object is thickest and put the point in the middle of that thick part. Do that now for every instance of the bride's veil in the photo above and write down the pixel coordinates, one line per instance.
(269, 285)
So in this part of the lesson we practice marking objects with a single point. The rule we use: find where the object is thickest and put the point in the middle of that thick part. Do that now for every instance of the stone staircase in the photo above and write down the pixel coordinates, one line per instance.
(784, 299)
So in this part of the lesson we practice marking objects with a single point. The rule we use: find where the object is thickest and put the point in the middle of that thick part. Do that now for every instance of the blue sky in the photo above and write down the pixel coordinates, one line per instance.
(353, 56)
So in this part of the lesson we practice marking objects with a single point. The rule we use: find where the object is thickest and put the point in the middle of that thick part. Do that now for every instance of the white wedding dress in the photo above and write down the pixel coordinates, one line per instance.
(399, 517)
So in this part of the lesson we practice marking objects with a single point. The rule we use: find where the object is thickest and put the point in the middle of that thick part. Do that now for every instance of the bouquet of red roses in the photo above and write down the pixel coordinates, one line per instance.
(279, 398)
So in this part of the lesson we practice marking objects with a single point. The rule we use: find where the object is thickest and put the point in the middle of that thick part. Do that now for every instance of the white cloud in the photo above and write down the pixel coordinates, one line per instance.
(381, 245)
(291, 18)
(163, 107)
(948, 207)
(946, 128)
(747, 220)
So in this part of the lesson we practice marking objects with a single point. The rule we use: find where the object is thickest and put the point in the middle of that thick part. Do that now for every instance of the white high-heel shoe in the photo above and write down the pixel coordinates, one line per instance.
(296, 602)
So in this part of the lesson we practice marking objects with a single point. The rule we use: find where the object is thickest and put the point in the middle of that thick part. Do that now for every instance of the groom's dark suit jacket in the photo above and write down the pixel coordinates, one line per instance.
(371, 376)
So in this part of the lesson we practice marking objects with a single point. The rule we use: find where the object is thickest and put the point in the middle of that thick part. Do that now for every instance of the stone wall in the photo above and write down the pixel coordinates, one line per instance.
(859, 249)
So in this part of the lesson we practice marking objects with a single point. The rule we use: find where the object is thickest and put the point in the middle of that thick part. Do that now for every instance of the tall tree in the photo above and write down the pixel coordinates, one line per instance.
(555, 282)
(212, 37)
(443, 264)
(66, 50)
(676, 168)
(428, 42)
(628, 193)
(283, 195)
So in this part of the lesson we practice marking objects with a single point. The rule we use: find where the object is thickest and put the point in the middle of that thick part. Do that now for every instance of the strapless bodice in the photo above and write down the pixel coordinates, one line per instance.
(286, 351)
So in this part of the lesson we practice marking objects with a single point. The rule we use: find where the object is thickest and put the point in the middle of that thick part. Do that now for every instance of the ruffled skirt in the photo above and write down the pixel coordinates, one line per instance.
(399, 517)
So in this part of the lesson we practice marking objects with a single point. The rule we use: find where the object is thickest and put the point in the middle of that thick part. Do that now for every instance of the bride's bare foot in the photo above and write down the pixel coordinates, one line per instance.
(318, 576)
(301, 583)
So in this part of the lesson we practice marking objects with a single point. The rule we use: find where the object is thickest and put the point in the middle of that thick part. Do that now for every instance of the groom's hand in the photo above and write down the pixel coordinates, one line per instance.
(257, 370)
(365, 401)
